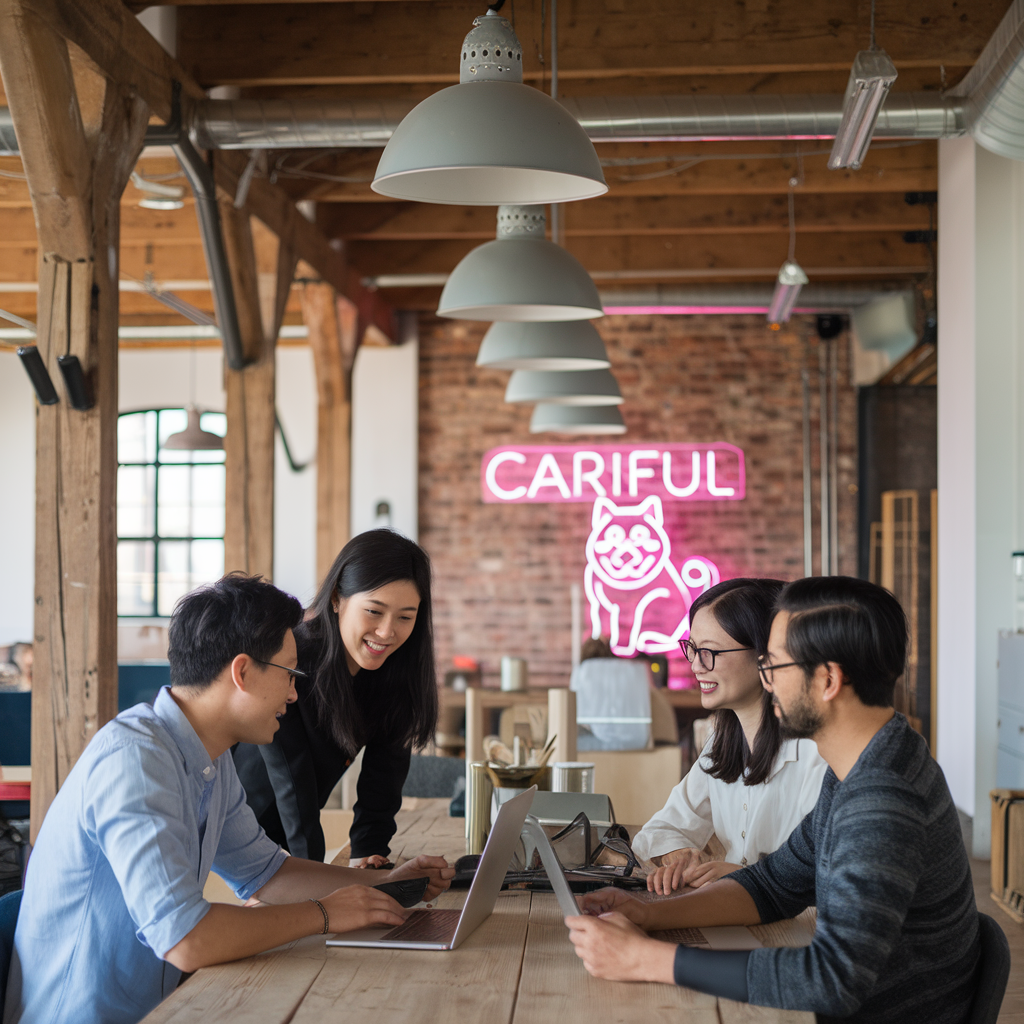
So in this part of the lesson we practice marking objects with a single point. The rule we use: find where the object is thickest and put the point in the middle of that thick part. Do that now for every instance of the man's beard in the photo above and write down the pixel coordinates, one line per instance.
(802, 721)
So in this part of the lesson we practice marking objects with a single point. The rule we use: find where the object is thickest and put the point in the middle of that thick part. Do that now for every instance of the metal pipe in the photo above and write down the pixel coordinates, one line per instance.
(823, 455)
(334, 124)
(805, 386)
(833, 499)
(200, 178)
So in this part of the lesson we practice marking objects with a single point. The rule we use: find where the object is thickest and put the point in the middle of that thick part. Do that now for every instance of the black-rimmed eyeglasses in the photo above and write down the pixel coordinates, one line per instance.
(767, 672)
(295, 673)
(705, 654)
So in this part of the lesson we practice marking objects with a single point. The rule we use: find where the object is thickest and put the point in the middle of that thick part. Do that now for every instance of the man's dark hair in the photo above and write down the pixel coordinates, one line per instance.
(215, 623)
(858, 625)
(743, 608)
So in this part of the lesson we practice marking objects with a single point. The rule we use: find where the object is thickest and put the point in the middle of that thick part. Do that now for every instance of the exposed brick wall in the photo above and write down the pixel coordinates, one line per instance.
(502, 572)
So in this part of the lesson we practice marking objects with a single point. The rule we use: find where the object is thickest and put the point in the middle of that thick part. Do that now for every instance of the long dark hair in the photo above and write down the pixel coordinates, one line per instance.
(401, 702)
(743, 608)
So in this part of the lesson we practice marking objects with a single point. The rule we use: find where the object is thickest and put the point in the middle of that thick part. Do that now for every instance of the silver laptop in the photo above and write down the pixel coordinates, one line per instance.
(552, 868)
(448, 929)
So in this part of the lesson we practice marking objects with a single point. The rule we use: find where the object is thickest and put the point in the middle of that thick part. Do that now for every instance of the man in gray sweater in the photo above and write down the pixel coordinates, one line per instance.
(881, 856)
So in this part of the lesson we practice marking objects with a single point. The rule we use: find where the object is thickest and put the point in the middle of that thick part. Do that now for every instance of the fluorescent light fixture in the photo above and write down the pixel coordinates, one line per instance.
(490, 139)
(871, 78)
(572, 387)
(521, 276)
(576, 419)
(156, 196)
(572, 345)
(791, 280)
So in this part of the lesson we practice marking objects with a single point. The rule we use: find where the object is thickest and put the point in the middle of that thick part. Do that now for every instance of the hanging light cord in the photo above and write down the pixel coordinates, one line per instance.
(792, 228)
(872, 23)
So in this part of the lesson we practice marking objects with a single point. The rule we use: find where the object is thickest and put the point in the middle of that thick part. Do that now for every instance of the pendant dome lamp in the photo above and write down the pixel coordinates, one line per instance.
(549, 418)
(572, 387)
(490, 139)
(521, 276)
(574, 345)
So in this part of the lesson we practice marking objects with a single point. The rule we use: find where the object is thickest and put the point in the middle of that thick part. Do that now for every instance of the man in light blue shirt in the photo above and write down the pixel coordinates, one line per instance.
(113, 909)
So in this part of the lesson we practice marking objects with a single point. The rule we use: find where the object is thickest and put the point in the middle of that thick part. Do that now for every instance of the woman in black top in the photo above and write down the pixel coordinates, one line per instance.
(367, 646)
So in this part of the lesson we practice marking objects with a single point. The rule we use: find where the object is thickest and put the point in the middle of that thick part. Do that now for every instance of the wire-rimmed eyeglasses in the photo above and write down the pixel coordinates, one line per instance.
(767, 671)
(295, 673)
(706, 655)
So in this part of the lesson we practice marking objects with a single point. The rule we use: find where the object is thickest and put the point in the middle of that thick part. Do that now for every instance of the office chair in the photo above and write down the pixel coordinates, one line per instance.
(993, 972)
(9, 906)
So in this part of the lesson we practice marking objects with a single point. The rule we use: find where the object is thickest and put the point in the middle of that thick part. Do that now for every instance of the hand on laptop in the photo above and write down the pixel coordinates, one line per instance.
(358, 906)
(613, 947)
(434, 868)
(605, 901)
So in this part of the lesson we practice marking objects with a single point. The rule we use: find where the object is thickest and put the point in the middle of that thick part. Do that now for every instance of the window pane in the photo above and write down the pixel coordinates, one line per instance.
(136, 437)
(171, 421)
(175, 501)
(136, 499)
(215, 423)
(134, 578)
(173, 574)
(207, 561)
(208, 501)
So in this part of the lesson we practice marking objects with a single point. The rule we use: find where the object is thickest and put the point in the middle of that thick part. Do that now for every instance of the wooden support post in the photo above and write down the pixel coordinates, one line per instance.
(251, 396)
(77, 168)
(332, 324)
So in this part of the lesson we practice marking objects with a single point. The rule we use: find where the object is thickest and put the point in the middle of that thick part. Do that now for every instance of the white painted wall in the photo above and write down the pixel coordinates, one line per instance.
(981, 405)
(385, 436)
(17, 500)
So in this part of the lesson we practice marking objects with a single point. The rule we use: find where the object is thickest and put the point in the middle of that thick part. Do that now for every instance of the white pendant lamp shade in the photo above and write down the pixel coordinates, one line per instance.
(490, 139)
(521, 276)
(575, 387)
(574, 345)
(193, 438)
(576, 419)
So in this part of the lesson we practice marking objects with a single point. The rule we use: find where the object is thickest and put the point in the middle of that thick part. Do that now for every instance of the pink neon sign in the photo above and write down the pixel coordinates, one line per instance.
(639, 596)
(560, 473)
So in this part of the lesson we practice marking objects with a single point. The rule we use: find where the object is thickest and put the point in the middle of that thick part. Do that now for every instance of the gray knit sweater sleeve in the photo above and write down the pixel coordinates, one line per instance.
(883, 859)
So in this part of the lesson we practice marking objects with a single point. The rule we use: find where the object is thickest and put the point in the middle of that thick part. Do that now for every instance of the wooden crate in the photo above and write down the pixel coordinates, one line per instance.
(1008, 851)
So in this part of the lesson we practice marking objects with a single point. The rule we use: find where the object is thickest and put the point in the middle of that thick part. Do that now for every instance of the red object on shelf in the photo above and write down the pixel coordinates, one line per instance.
(15, 790)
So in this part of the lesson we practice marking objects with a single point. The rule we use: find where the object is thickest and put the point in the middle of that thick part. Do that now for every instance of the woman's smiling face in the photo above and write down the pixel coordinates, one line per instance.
(734, 681)
(375, 623)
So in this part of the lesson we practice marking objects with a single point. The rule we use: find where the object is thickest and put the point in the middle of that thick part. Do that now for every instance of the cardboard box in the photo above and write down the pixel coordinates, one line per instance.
(1008, 851)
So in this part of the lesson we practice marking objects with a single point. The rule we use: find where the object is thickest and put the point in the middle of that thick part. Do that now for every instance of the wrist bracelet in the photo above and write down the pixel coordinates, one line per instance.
(327, 920)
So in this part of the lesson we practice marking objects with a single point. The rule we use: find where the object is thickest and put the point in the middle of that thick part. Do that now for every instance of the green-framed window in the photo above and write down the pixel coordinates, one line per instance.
(170, 512)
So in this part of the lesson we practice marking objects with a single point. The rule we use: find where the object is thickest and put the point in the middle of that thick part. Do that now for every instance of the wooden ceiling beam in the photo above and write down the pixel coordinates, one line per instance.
(655, 215)
(411, 41)
(660, 169)
(116, 42)
(730, 252)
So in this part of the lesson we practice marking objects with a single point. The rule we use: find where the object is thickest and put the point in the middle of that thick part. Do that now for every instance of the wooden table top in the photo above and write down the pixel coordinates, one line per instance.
(518, 967)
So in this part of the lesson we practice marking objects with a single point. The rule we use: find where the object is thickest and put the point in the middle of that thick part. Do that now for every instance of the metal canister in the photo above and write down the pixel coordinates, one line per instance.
(478, 806)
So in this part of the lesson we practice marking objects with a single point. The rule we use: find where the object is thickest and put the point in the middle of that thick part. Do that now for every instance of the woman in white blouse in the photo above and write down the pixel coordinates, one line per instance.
(749, 787)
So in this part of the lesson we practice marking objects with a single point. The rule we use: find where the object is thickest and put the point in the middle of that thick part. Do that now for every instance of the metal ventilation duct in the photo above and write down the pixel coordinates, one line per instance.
(993, 90)
(297, 124)
(8, 142)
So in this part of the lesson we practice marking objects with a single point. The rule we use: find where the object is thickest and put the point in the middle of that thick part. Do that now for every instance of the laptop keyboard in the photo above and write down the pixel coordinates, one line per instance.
(684, 937)
(426, 926)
